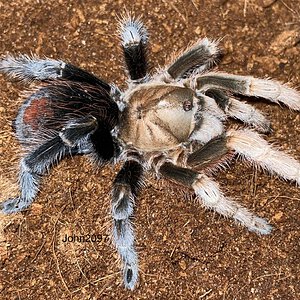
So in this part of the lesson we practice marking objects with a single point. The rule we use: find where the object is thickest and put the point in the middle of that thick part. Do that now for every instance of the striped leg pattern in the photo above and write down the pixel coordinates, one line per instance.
(249, 86)
(125, 189)
(211, 197)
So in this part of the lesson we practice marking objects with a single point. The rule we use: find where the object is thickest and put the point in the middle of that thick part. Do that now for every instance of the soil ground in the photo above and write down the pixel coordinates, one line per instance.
(185, 252)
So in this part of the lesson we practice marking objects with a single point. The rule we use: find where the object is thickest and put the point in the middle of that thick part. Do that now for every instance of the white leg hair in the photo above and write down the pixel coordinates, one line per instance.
(247, 114)
(125, 188)
(124, 240)
(275, 92)
(29, 68)
(132, 31)
(255, 149)
(209, 128)
(29, 186)
(134, 38)
(212, 198)
(123, 233)
(210, 105)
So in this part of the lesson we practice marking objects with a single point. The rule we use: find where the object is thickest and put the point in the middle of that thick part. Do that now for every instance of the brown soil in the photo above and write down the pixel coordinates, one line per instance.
(185, 252)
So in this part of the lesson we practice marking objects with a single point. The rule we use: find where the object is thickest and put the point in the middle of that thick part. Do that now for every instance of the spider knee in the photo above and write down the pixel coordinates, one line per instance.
(130, 271)
(132, 32)
(31, 168)
(122, 202)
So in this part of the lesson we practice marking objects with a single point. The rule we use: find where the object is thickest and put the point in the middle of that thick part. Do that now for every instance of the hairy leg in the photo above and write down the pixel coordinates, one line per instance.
(254, 148)
(125, 189)
(207, 127)
(32, 167)
(29, 69)
(212, 198)
(249, 86)
(134, 38)
(39, 161)
(211, 155)
(197, 58)
(240, 110)
(208, 120)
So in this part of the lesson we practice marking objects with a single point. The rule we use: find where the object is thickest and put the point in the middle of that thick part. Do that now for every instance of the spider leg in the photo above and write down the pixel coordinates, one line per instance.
(29, 69)
(197, 58)
(240, 110)
(249, 86)
(32, 167)
(76, 129)
(212, 198)
(134, 38)
(37, 162)
(255, 149)
(125, 188)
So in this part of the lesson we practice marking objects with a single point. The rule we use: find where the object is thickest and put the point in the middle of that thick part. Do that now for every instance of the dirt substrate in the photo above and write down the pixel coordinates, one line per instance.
(185, 252)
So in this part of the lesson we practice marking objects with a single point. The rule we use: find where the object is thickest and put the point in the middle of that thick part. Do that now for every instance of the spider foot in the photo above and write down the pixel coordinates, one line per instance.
(13, 205)
(130, 276)
(260, 226)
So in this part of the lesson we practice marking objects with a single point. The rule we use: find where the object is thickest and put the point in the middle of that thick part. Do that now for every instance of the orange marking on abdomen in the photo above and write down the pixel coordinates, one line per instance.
(37, 112)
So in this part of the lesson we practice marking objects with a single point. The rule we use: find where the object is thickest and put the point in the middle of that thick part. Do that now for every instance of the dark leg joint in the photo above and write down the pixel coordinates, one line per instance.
(210, 153)
(78, 129)
(220, 97)
(182, 175)
(189, 61)
(130, 175)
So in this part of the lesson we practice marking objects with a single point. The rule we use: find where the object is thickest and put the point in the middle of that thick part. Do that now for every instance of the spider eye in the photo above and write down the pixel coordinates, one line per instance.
(187, 105)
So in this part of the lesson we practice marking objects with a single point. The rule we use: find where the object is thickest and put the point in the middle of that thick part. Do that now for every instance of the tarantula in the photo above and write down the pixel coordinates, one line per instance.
(170, 123)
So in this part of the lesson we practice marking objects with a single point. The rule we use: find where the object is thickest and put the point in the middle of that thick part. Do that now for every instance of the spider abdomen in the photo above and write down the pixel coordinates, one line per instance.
(47, 111)
(158, 117)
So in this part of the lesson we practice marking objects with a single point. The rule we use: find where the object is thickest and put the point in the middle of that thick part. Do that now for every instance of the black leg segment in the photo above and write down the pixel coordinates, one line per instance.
(210, 154)
(181, 175)
(197, 58)
(220, 97)
(134, 39)
(135, 59)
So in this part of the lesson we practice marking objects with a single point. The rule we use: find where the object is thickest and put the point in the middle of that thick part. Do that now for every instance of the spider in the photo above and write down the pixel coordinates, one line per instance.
(170, 123)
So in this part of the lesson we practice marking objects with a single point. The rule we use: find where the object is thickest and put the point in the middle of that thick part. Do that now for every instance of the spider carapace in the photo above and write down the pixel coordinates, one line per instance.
(158, 117)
